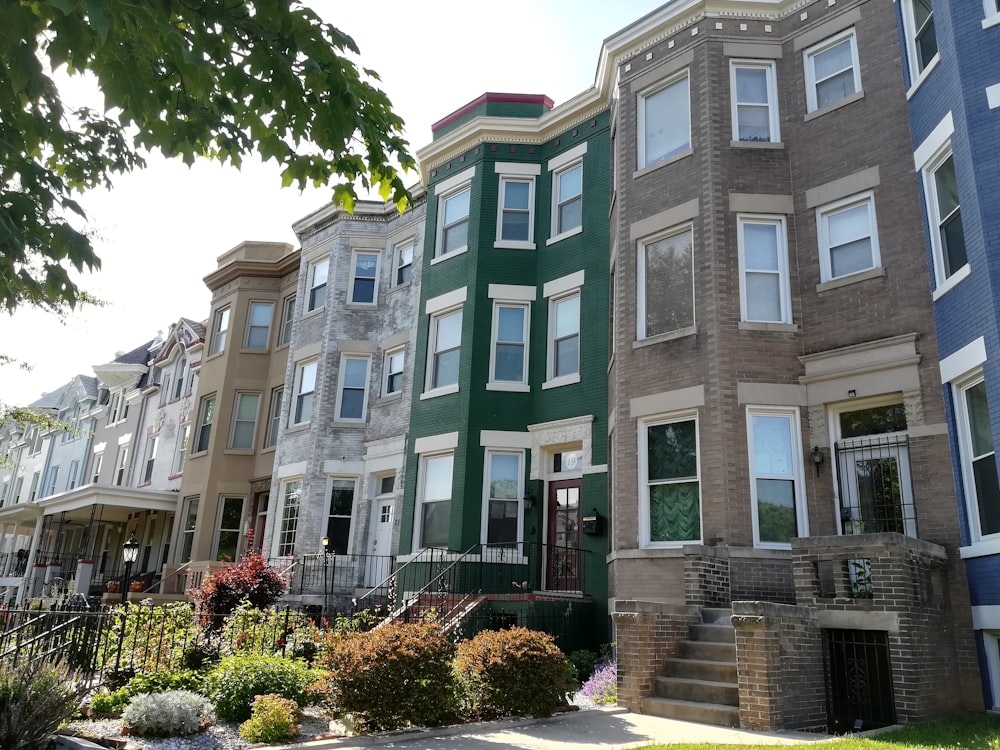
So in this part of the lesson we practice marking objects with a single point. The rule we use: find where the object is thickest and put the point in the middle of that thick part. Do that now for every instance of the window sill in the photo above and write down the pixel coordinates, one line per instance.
(388, 399)
(448, 256)
(661, 337)
(951, 282)
(312, 313)
(174, 476)
(400, 287)
(443, 391)
(850, 99)
(771, 145)
(214, 355)
(361, 305)
(747, 325)
(268, 449)
(199, 454)
(298, 427)
(284, 345)
(238, 452)
(509, 387)
(993, 20)
(663, 163)
(352, 425)
(563, 236)
(513, 245)
(254, 351)
(854, 278)
(911, 92)
(982, 548)
(561, 381)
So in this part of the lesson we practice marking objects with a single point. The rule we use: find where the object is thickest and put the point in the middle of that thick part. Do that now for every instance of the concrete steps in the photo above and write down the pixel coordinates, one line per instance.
(701, 683)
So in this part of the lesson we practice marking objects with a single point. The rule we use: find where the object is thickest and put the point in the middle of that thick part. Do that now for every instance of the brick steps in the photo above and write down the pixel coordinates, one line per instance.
(702, 713)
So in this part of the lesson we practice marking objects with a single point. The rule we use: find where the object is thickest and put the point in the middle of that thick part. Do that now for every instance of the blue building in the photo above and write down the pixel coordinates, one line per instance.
(952, 71)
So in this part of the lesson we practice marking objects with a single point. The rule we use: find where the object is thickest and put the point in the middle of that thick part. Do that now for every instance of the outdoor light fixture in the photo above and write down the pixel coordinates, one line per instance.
(817, 458)
(325, 541)
(130, 553)
(529, 500)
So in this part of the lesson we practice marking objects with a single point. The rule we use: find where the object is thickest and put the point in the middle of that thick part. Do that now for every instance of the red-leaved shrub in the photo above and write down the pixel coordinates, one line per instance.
(250, 579)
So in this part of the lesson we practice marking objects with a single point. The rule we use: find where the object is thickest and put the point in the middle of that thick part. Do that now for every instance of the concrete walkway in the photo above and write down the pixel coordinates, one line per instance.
(611, 728)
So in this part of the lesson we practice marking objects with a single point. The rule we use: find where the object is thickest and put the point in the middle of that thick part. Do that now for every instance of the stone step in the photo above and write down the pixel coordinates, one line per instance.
(700, 669)
(717, 615)
(702, 691)
(703, 632)
(707, 651)
(703, 713)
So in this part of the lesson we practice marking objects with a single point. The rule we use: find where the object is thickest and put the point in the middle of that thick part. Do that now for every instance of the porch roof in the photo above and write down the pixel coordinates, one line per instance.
(126, 498)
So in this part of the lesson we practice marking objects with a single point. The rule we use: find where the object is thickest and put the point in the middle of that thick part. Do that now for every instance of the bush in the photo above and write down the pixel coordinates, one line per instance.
(113, 702)
(270, 632)
(158, 682)
(272, 719)
(249, 580)
(391, 677)
(582, 662)
(239, 679)
(174, 713)
(515, 672)
(34, 700)
(602, 687)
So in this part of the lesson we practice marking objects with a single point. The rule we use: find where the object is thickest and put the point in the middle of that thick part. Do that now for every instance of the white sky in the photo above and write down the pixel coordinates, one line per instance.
(160, 230)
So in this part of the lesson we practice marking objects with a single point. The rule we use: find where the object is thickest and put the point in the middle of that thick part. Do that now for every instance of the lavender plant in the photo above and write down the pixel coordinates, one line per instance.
(602, 685)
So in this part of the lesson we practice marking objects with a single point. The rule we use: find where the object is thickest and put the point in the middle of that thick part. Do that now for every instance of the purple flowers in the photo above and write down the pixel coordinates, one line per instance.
(602, 686)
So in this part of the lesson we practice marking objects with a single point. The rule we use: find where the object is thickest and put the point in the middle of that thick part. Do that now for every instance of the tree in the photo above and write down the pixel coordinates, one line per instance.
(216, 78)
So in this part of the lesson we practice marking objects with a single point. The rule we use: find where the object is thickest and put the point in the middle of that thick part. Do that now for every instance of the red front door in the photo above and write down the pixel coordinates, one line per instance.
(563, 559)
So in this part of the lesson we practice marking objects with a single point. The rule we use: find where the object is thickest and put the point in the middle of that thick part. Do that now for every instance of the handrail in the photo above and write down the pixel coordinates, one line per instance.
(160, 583)
(389, 581)
(440, 577)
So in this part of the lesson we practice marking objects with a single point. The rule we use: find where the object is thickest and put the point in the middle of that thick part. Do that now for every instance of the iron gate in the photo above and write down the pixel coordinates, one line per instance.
(858, 680)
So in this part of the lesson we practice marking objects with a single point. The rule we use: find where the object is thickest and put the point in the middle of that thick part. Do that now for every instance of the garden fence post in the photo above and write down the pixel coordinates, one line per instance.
(284, 637)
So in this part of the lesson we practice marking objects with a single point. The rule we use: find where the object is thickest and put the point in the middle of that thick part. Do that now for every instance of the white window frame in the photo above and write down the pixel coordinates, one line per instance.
(430, 385)
(822, 226)
(774, 126)
(74, 471)
(152, 442)
(796, 472)
(274, 416)
(318, 282)
(250, 327)
(641, 333)
(389, 370)
(553, 380)
(53, 480)
(183, 532)
(287, 319)
(784, 286)
(98, 463)
(399, 267)
(991, 17)
(501, 241)
(963, 427)
(331, 482)
(808, 63)
(342, 386)
(33, 491)
(509, 385)
(643, 426)
(355, 255)
(181, 448)
(487, 465)
(558, 231)
(121, 465)
(305, 371)
(422, 499)
(287, 526)
(236, 421)
(178, 385)
(917, 73)
(641, 125)
(219, 530)
(944, 280)
(445, 191)
(206, 418)
(220, 330)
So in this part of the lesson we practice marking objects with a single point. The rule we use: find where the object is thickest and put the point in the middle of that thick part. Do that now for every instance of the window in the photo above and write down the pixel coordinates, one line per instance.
(34, 486)
(404, 262)
(395, 361)
(244, 421)
(274, 420)
(453, 222)
(364, 278)
(564, 337)
(944, 214)
(670, 506)
(434, 511)
(54, 480)
(117, 413)
(259, 325)
(164, 389)
(567, 195)
(16, 497)
(446, 341)
(755, 101)
(96, 474)
(287, 316)
(121, 464)
(187, 530)
(206, 416)
(305, 388)
(220, 328)
(180, 451)
(338, 525)
(517, 200)
(921, 42)
(664, 116)
(292, 492)
(317, 283)
(227, 538)
(832, 70)
(666, 284)
(764, 287)
(775, 475)
(179, 371)
(352, 398)
(74, 473)
(848, 238)
(510, 336)
(979, 467)
(151, 444)
(503, 498)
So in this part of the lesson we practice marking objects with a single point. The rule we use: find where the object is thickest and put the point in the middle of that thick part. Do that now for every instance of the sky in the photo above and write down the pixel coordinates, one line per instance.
(160, 230)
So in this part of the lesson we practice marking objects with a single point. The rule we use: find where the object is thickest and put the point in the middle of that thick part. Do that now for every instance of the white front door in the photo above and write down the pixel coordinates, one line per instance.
(379, 561)
(877, 495)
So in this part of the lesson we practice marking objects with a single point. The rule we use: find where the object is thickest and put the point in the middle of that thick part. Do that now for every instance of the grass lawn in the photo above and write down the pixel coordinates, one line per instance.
(977, 733)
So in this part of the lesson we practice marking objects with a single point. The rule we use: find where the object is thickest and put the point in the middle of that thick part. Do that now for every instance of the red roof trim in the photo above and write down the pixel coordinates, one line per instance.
(490, 97)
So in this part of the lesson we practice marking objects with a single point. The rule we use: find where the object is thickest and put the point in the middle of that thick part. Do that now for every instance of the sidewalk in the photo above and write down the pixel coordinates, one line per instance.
(611, 728)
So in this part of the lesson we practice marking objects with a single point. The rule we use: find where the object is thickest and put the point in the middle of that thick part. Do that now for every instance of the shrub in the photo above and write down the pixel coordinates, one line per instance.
(602, 687)
(272, 719)
(145, 638)
(270, 633)
(239, 679)
(173, 713)
(250, 580)
(34, 700)
(391, 677)
(113, 702)
(158, 682)
(515, 672)
(582, 661)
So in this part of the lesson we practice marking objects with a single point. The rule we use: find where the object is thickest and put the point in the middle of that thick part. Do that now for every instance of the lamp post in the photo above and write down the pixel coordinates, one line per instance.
(130, 553)
(326, 545)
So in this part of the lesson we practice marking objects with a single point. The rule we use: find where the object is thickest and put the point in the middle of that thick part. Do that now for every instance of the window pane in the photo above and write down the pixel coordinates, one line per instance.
(953, 242)
(763, 297)
(515, 226)
(515, 195)
(751, 85)
(246, 409)
(669, 290)
(355, 373)
(456, 207)
(776, 510)
(849, 225)
(987, 493)
(320, 271)
(667, 121)
(754, 123)
(260, 313)
(979, 419)
(570, 183)
(437, 477)
(303, 409)
(570, 215)
(449, 331)
(446, 369)
(503, 476)
(308, 377)
(772, 444)
(835, 88)
(946, 187)
(434, 524)
(834, 60)
(567, 316)
(674, 513)
(851, 258)
(510, 324)
(317, 297)
(671, 450)
(761, 246)
(352, 403)
(342, 497)
(875, 420)
(509, 364)
(567, 356)
(456, 237)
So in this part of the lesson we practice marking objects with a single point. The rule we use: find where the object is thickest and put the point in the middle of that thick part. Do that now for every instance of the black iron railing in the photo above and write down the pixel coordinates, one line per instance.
(876, 494)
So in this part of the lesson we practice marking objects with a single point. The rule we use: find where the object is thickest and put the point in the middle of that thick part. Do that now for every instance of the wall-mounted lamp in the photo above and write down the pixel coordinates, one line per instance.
(529, 499)
(817, 458)
(325, 542)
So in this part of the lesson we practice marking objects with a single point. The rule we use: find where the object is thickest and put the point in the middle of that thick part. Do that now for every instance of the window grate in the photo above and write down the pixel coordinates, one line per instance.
(858, 680)
(873, 478)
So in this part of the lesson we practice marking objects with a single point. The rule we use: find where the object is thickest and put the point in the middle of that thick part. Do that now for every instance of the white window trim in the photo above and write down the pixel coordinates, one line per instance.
(641, 118)
(516, 172)
(810, 69)
(942, 283)
(280, 516)
(798, 472)
(297, 392)
(445, 190)
(640, 308)
(509, 385)
(287, 320)
(182, 447)
(387, 372)
(273, 427)
(551, 380)
(917, 77)
(341, 385)
(354, 269)
(823, 211)
(555, 234)
(430, 391)
(642, 427)
(201, 423)
(249, 326)
(355, 498)
(236, 412)
(220, 335)
(772, 98)
(397, 257)
(991, 17)
(784, 285)
(962, 426)
(418, 516)
(484, 527)
(152, 444)
(311, 284)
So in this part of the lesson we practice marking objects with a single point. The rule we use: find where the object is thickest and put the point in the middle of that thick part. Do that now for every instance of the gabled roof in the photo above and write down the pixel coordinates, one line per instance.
(50, 400)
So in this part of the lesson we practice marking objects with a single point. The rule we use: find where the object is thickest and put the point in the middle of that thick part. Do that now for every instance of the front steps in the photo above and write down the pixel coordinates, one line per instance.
(701, 683)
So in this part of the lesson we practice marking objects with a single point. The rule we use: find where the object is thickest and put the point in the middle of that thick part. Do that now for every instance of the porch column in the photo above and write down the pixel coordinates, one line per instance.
(24, 591)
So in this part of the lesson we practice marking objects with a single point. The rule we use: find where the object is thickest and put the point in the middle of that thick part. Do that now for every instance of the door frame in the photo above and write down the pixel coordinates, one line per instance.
(551, 487)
